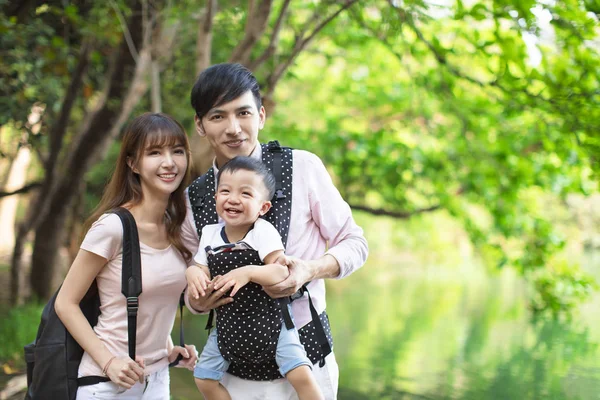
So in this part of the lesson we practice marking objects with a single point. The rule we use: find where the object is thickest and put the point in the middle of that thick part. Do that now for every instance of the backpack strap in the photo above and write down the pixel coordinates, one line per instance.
(131, 281)
(181, 338)
(131, 284)
(91, 380)
(131, 276)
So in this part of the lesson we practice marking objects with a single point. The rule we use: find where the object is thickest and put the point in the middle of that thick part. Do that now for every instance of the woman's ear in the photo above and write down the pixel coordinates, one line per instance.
(266, 206)
(130, 164)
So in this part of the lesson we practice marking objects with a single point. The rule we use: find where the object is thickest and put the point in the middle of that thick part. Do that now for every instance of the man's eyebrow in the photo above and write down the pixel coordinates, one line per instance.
(221, 111)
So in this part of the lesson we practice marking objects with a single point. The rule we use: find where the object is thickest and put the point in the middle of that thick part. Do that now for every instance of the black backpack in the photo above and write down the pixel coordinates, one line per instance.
(53, 357)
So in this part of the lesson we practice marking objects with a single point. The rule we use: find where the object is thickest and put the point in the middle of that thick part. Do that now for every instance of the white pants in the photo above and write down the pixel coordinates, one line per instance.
(156, 387)
(280, 389)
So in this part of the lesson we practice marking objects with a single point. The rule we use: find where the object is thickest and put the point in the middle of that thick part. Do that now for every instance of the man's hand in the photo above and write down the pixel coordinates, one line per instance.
(211, 299)
(300, 272)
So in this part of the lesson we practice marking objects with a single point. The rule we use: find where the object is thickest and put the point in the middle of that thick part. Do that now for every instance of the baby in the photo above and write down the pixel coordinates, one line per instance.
(226, 252)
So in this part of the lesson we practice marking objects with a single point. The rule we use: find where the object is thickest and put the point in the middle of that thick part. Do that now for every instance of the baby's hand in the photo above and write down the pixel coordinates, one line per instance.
(234, 280)
(197, 281)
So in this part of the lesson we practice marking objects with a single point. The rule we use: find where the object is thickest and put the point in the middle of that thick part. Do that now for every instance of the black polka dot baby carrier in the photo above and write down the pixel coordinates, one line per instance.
(249, 327)
(252, 355)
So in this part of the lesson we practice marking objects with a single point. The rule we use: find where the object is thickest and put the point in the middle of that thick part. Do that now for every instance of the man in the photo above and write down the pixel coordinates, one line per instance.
(323, 240)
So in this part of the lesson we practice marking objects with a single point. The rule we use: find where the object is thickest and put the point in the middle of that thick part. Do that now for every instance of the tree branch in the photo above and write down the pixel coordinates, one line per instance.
(441, 59)
(256, 24)
(59, 128)
(394, 214)
(299, 45)
(24, 189)
(204, 38)
(270, 50)
(126, 32)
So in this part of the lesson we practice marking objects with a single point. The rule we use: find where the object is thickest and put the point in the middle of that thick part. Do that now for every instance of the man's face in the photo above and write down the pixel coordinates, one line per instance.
(232, 128)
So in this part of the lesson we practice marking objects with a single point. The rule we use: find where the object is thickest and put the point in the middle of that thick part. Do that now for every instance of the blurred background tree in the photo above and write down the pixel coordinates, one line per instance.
(487, 110)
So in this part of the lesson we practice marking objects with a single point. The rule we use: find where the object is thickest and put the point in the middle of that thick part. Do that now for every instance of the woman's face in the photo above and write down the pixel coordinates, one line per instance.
(161, 169)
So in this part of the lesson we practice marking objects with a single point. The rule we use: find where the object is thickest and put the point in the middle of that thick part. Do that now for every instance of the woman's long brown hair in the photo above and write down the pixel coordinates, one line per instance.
(124, 187)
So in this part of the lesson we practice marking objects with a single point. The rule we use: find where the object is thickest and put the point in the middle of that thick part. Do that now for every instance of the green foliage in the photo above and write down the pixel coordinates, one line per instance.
(451, 110)
(39, 53)
(483, 109)
(559, 291)
(19, 326)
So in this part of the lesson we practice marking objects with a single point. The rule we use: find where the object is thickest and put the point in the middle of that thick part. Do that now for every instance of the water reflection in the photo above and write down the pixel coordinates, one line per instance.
(403, 333)
(461, 337)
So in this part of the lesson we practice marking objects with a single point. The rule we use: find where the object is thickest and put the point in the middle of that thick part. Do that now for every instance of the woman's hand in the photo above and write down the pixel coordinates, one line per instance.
(125, 372)
(189, 353)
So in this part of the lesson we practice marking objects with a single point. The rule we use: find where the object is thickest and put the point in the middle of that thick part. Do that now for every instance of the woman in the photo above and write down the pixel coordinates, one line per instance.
(149, 180)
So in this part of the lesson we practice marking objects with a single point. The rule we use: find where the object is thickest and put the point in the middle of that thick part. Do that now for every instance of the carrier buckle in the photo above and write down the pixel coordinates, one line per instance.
(274, 146)
(299, 294)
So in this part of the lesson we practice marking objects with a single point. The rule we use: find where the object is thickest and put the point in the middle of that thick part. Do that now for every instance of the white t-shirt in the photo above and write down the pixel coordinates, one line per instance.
(163, 280)
(263, 238)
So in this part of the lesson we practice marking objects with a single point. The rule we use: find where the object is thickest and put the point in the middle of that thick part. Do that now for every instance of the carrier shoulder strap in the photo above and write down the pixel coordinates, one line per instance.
(131, 276)
(279, 160)
(276, 149)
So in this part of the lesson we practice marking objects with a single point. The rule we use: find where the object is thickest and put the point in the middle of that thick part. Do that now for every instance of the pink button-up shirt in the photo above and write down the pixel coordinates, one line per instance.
(321, 223)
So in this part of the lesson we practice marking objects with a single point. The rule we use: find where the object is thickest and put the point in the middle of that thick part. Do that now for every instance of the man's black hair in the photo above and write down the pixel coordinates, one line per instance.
(251, 164)
(220, 84)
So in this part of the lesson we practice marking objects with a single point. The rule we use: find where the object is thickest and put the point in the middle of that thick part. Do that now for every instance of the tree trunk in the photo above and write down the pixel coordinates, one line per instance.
(8, 206)
(38, 205)
(49, 234)
(93, 142)
(202, 154)
(17, 272)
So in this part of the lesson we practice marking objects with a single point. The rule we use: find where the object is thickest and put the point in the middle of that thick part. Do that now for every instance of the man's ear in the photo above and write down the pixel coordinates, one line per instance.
(130, 164)
(266, 206)
(262, 117)
(199, 127)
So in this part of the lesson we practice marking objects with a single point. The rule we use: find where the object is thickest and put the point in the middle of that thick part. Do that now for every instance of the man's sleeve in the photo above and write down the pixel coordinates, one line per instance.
(346, 241)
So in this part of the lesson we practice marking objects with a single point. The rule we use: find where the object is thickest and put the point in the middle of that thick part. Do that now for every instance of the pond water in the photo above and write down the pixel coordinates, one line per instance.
(408, 331)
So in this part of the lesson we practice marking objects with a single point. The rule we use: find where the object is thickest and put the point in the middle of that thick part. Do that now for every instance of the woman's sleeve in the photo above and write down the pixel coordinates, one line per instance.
(105, 237)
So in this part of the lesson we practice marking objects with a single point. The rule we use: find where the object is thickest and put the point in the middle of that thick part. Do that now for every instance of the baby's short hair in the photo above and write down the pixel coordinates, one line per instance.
(251, 164)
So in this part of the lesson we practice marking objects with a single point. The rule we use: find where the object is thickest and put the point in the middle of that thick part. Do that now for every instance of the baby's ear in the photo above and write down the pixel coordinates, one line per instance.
(266, 206)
